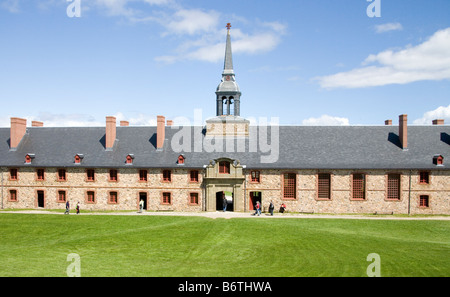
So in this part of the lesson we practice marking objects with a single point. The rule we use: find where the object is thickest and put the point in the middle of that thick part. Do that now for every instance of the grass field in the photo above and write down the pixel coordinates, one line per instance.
(38, 245)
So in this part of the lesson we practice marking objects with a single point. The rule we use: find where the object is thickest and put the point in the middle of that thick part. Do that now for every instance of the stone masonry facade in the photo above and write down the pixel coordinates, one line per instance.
(21, 188)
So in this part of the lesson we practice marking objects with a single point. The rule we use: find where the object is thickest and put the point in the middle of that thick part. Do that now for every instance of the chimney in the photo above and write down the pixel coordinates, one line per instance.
(110, 132)
(169, 122)
(37, 124)
(388, 123)
(124, 123)
(160, 132)
(403, 131)
(18, 130)
(438, 122)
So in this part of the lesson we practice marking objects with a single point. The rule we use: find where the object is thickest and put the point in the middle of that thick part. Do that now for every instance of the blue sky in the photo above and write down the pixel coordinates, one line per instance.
(322, 62)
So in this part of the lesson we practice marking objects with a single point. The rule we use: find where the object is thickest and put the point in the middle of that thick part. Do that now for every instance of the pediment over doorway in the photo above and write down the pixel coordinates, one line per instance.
(224, 168)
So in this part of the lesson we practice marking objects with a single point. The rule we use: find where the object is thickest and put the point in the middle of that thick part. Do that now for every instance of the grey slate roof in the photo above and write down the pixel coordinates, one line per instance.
(300, 147)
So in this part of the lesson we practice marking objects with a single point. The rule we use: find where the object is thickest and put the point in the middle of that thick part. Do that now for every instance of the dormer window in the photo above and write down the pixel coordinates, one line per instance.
(29, 158)
(438, 160)
(78, 158)
(130, 159)
(181, 159)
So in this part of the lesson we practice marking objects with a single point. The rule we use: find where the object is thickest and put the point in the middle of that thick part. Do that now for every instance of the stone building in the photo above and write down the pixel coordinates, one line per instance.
(353, 169)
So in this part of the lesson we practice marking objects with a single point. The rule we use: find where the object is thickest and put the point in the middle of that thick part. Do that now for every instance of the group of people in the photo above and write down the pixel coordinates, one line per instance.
(271, 208)
(68, 208)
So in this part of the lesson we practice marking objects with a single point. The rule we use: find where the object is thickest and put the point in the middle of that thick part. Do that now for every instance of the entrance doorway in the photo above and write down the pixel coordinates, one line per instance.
(40, 199)
(255, 197)
(143, 196)
(220, 203)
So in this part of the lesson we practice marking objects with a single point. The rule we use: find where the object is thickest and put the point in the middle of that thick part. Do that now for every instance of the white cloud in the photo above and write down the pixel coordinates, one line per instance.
(10, 5)
(427, 61)
(210, 46)
(388, 27)
(442, 112)
(326, 120)
(192, 21)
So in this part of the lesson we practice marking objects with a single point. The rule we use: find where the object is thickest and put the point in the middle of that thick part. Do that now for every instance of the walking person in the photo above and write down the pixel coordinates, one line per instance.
(141, 206)
(257, 209)
(225, 204)
(271, 207)
(78, 207)
(67, 207)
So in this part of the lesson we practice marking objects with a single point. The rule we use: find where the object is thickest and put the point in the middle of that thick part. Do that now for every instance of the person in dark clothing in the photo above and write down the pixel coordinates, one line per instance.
(271, 207)
(67, 208)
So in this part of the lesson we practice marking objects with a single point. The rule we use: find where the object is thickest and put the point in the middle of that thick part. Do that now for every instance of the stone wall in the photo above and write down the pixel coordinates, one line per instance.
(128, 188)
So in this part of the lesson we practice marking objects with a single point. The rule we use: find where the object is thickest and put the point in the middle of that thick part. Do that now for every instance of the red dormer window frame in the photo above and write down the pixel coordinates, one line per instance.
(181, 159)
(28, 159)
(77, 159)
(129, 159)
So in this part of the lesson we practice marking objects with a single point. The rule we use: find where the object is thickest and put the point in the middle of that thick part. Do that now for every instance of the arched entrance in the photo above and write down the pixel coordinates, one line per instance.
(224, 178)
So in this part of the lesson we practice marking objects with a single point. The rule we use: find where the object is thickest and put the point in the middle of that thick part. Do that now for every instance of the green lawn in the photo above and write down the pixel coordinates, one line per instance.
(112, 245)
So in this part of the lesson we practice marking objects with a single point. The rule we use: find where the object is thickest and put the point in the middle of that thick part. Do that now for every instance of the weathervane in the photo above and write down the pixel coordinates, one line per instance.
(229, 26)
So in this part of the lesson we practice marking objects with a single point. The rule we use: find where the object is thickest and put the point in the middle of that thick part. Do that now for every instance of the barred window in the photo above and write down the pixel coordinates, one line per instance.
(13, 174)
(61, 174)
(167, 175)
(194, 176)
(424, 201)
(224, 167)
(289, 186)
(393, 187)
(90, 197)
(143, 175)
(193, 198)
(324, 186)
(255, 176)
(113, 197)
(40, 174)
(166, 198)
(12, 195)
(90, 175)
(61, 196)
(424, 177)
(113, 175)
(359, 186)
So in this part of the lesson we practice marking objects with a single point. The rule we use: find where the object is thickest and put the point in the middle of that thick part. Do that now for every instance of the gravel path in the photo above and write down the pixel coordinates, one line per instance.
(230, 215)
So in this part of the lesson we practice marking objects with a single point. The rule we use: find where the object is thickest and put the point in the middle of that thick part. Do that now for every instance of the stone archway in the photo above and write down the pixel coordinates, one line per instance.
(217, 181)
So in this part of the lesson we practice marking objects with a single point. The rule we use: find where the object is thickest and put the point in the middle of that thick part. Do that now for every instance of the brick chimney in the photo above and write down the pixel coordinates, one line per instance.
(403, 131)
(124, 123)
(438, 122)
(388, 123)
(37, 124)
(110, 132)
(160, 131)
(18, 130)
(169, 122)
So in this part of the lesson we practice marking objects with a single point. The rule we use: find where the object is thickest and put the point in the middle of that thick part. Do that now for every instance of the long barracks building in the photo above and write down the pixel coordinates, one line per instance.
(342, 169)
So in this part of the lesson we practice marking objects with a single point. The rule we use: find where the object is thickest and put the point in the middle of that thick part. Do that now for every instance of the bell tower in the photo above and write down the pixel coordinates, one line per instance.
(228, 121)
(228, 95)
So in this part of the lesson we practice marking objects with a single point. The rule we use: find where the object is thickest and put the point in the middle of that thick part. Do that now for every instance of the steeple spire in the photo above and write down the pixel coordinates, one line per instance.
(228, 93)
(228, 65)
